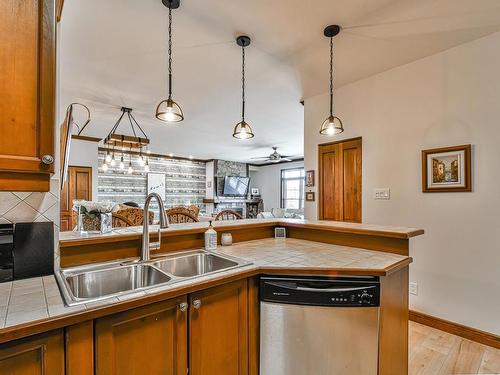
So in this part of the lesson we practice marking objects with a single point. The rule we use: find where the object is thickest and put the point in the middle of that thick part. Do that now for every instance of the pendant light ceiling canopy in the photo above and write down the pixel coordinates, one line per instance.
(243, 130)
(168, 110)
(332, 124)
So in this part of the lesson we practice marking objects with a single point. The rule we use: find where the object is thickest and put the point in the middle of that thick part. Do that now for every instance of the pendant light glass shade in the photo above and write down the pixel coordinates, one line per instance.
(331, 126)
(243, 131)
(168, 110)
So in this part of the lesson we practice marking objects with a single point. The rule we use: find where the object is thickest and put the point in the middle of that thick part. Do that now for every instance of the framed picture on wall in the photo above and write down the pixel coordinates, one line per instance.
(310, 178)
(446, 169)
(156, 184)
(310, 196)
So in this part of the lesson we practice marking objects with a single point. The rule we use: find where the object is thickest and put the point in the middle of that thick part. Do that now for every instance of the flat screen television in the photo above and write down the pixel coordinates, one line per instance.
(235, 186)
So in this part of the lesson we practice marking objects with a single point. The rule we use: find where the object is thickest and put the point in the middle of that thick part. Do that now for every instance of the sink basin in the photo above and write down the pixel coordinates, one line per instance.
(194, 264)
(102, 282)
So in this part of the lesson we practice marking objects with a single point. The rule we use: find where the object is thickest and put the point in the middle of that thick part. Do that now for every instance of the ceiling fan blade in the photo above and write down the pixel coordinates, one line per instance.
(261, 157)
(285, 159)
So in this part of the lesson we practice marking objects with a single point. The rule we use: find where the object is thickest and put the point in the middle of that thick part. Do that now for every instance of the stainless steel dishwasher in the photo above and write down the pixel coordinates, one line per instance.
(319, 325)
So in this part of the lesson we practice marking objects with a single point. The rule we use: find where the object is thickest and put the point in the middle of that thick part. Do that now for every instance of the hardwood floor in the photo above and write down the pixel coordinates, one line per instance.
(434, 352)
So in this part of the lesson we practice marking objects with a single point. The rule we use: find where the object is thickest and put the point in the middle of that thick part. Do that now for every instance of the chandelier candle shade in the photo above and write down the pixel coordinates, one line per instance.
(168, 110)
(242, 130)
(332, 125)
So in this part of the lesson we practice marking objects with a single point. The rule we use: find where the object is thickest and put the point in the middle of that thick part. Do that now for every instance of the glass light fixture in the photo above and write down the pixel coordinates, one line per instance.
(121, 165)
(243, 130)
(108, 156)
(146, 167)
(168, 110)
(104, 167)
(332, 125)
(112, 162)
(130, 170)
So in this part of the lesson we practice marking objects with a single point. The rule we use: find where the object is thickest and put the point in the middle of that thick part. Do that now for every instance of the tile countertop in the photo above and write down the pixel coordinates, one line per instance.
(384, 231)
(39, 299)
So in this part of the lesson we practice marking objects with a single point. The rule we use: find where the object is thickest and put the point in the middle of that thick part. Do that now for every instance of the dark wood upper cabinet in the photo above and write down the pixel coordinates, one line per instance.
(40, 354)
(146, 340)
(218, 331)
(27, 93)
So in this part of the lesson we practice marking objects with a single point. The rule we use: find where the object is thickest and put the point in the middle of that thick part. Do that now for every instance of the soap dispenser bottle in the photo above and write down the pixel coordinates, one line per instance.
(210, 238)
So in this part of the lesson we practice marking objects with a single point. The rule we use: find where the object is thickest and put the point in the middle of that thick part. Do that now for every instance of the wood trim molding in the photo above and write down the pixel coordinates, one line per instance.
(457, 329)
(85, 138)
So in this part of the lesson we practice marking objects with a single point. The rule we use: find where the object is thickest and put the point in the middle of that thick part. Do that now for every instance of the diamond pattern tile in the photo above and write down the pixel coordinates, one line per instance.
(8, 201)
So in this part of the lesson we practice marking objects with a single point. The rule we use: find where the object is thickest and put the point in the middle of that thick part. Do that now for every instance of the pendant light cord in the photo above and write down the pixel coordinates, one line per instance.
(331, 76)
(170, 53)
(243, 83)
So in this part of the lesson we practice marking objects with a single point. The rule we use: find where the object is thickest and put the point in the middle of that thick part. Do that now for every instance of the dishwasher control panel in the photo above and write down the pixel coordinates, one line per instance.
(351, 291)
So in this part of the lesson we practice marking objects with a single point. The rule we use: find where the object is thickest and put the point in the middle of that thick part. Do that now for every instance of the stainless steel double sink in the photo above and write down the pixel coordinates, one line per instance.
(85, 284)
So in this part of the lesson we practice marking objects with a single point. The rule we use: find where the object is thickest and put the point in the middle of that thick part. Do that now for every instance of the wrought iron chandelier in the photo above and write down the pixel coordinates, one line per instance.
(118, 143)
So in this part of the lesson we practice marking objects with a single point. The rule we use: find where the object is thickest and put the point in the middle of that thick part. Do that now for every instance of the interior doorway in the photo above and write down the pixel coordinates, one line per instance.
(77, 186)
(340, 175)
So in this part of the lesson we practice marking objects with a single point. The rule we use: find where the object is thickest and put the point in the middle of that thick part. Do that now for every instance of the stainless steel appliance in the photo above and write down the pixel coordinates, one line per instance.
(319, 325)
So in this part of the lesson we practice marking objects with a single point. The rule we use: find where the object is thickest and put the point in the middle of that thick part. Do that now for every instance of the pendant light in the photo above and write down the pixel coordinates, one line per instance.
(332, 125)
(168, 110)
(242, 130)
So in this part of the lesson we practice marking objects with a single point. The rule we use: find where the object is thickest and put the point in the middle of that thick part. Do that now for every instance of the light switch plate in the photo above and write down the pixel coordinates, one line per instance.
(414, 289)
(382, 193)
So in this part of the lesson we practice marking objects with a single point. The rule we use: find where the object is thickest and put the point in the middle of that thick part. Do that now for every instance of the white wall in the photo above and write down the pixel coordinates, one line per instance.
(268, 180)
(85, 154)
(446, 99)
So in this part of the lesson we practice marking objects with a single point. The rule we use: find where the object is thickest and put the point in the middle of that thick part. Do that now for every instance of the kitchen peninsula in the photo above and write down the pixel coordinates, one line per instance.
(221, 308)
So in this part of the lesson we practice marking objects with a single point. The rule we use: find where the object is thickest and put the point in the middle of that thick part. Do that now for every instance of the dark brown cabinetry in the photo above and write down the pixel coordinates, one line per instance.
(146, 340)
(40, 354)
(218, 334)
(27, 94)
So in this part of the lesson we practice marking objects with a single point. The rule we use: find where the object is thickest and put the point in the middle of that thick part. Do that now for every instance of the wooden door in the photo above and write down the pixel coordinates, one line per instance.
(218, 334)
(78, 186)
(340, 181)
(40, 354)
(146, 340)
(27, 93)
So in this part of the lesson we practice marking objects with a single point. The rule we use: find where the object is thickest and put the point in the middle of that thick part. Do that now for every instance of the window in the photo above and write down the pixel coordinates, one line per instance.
(292, 188)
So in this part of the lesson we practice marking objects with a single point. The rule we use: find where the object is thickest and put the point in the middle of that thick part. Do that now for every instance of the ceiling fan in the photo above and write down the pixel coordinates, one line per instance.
(275, 157)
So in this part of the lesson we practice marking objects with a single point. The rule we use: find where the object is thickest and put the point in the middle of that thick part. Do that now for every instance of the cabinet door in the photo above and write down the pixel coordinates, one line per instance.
(27, 93)
(40, 354)
(218, 334)
(146, 340)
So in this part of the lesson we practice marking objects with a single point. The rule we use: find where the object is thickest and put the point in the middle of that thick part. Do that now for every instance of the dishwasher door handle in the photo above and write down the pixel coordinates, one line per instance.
(306, 289)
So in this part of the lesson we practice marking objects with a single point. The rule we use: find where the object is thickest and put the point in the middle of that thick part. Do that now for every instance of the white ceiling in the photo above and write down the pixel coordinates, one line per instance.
(113, 54)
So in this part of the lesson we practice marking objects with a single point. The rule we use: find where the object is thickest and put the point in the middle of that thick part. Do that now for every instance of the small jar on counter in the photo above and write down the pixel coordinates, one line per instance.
(226, 239)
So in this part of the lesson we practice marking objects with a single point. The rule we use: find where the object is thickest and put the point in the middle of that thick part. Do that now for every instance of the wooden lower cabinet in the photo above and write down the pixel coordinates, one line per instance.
(218, 330)
(146, 340)
(40, 354)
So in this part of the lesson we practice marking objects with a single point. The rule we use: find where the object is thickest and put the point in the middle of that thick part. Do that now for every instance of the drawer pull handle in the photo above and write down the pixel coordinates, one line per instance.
(196, 303)
(47, 159)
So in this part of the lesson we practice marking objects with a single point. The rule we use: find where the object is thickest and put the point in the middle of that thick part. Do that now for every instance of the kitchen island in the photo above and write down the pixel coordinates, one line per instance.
(112, 330)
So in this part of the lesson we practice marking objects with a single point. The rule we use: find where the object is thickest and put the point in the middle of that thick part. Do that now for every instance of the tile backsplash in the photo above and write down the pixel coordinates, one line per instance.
(17, 207)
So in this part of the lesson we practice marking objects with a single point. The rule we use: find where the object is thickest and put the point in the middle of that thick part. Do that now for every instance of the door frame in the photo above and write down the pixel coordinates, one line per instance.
(66, 186)
(319, 205)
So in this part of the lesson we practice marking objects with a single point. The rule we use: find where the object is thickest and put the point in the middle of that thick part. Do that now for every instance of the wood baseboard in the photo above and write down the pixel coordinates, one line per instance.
(469, 333)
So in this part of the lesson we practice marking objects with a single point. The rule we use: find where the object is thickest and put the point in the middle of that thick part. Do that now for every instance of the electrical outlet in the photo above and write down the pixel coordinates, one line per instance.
(414, 288)
(382, 193)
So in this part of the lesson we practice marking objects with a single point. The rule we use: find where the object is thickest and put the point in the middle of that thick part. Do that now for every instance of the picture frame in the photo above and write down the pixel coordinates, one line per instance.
(310, 196)
(255, 191)
(310, 178)
(447, 169)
